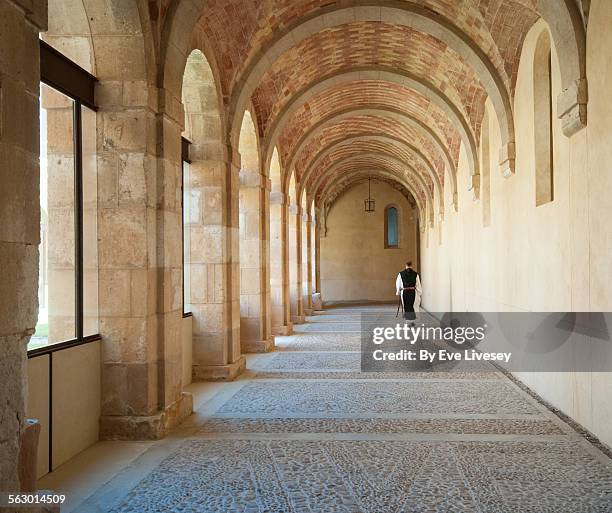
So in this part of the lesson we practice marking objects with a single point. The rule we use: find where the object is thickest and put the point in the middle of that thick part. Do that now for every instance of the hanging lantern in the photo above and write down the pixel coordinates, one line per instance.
(370, 204)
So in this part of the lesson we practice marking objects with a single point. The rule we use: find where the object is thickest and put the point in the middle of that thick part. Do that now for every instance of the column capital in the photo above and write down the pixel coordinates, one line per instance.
(253, 179)
(475, 187)
(507, 157)
(169, 105)
(572, 107)
(277, 198)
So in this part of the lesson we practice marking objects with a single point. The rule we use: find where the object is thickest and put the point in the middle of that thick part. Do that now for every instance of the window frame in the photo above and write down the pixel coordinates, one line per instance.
(397, 226)
(68, 78)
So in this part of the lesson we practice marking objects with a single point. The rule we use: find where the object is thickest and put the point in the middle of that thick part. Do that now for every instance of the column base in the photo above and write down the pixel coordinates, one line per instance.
(298, 319)
(146, 427)
(284, 331)
(307, 312)
(257, 346)
(227, 372)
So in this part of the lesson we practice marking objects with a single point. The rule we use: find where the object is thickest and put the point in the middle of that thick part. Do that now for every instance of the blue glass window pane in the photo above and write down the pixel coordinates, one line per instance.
(392, 226)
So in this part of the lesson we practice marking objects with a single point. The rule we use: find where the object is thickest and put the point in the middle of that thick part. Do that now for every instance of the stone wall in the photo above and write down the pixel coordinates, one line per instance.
(20, 22)
(355, 265)
(552, 257)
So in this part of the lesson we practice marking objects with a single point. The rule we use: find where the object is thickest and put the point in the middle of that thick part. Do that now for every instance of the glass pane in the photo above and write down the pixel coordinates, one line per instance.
(90, 224)
(392, 227)
(56, 318)
(186, 239)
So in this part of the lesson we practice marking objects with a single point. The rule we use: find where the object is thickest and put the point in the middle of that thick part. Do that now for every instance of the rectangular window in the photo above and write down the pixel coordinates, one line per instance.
(391, 228)
(68, 269)
(57, 271)
(186, 195)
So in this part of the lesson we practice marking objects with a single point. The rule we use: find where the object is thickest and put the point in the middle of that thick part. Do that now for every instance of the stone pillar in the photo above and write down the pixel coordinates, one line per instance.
(280, 315)
(295, 263)
(317, 253)
(311, 255)
(306, 263)
(255, 328)
(215, 293)
(20, 23)
(140, 277)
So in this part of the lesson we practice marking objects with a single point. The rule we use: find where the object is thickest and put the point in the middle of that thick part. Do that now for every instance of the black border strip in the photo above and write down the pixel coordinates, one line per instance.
(67, 77)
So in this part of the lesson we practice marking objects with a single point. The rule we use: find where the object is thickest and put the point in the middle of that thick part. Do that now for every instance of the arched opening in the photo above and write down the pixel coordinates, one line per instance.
(306, 243)
(279, 304)
(313, 245)
(543, 120)
(253, 324)
(295, 257)
(202, 214)
(391, 227)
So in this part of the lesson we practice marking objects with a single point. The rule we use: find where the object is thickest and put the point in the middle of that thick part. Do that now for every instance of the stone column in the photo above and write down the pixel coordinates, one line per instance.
(317, 264)
(139, 231)
(306, 263)
(281, 315)
(311, 254)
(215, 293)
(20, 23)
(254, 268)
(295, 263)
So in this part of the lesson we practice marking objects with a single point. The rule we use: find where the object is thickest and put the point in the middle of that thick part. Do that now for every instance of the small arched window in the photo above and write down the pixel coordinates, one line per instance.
(543, 120)
(391, 227)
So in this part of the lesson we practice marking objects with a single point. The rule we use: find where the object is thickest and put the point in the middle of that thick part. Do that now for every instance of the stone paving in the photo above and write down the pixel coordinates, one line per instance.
(305, 431)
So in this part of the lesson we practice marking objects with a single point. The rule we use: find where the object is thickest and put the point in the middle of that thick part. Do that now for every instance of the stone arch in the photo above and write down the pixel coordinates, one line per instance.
(123, 53)
(275, 171)
(199, 98)
(279, 286)
(543, 119)
(364, 173)
(395, 77)
(568, 34)
(216, 348)
(389, 113)
(341, 164)
(254, 285)
(248, 145)
(179, 37)
(203, 128)
(408, 14)
(369, 137)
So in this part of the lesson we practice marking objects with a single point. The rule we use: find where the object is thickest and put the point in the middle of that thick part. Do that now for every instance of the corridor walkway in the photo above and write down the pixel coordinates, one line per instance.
(304, 431)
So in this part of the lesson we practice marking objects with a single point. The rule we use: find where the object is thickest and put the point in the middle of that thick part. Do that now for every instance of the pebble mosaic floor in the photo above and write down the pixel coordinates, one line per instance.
(305, 431)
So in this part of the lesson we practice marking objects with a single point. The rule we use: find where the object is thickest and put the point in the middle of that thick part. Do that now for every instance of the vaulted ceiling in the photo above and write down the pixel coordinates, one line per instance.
(392, 86)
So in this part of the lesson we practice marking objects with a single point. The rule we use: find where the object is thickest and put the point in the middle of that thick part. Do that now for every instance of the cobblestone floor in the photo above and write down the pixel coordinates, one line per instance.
(305, 431)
